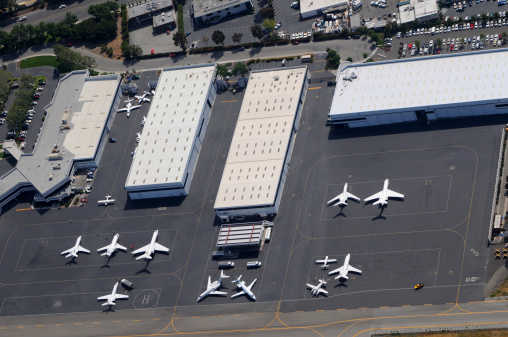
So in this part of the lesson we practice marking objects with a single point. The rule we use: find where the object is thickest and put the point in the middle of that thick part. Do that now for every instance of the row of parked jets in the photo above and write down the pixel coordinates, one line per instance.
(142, 99)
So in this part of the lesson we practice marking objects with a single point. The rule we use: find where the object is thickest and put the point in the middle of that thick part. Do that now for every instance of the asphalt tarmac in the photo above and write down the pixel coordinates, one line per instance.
(436, 235)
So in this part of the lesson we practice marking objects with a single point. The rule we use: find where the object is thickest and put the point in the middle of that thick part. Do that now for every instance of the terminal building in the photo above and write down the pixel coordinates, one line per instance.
(167, 153)
(260, 151)
(427, 88)
(212, 11)
(73, 137)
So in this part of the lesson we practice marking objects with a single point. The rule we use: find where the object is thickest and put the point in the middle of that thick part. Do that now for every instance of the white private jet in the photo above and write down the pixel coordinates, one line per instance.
(150, 249)
(106, 201)
(325, 262)
(75, 250)
(143, 98)
(384, 195)
(138, 137)
(342, 198)
(316, 290)
(246, 290)
(129, 106)
(345, 269)
(111, 298)
(211, 288)
(143, 122)
(111, 248)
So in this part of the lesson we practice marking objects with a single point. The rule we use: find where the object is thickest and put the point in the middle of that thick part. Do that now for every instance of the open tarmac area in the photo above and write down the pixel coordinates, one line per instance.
(435, 235)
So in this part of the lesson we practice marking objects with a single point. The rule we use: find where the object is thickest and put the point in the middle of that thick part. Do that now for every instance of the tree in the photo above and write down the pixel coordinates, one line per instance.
(485, 17)
(180, 39)
(71, 60)
(482, 37)
(18, 108)
(505, 35)
(332, 59)
(269, 24)
(418, 45)
(240, 69)
(350, 59)
(222, 70)
(365, 55)
(496, 15)
(462, 41)
(237, 37)
(439, 42)
(257, 31)
(103, 11)
(267, 12)
(135, 51)
(205, 40)
(218, 37)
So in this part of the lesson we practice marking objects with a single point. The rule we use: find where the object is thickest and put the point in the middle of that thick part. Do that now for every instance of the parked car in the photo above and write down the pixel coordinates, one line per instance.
(62, 6)
(226, 265)
(33, 103)
(112, 140)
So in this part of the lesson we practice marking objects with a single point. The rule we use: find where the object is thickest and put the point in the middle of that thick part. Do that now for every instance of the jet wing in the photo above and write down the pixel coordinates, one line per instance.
(374, 197)
(322, 291)
(135, 107)
(252, 284)
(338, 270)
(103, 248)
(393, 194)
(218, 293)
(310, 286)
(329, 261)
(122, 110)
(161, 248)
(353, 269)
(120, 296)
(238, 294)
(335, 199)
(66, 252)
(117, 246)
(102, 298)
(141, 250)
(349, 195)
(83, 250)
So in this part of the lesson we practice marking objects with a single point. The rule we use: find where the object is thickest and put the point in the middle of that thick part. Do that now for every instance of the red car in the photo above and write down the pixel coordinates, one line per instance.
(451, 47)
(472, 26)
(69, 44)
(172, 55)
(36, 97)
(295, 43)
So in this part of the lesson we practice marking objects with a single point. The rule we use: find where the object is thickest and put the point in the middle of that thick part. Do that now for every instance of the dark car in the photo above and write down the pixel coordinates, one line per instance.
(241, 49)
(112, 140)
(4, 114)
(10, 135)
(42, 82)
(187, 33)
(356, 37)
(36, 97)
(136, 77)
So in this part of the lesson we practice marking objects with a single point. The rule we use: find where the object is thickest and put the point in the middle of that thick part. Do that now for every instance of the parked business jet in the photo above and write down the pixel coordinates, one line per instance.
(342, 198)
(343, 271)
(246, 290)
(111, 248)
(211, 288)
(75, 250)
(129, 106)
(384, 195)
(316, 290)
(150, 249)
(106, 201)
(143, 98)
(143, 122)
(111, 298)
(325, 262)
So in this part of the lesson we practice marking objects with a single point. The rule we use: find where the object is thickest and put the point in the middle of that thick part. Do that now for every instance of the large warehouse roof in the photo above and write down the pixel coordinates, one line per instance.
(421, 82)
(258, 149)
(316, 5)
(172, 124)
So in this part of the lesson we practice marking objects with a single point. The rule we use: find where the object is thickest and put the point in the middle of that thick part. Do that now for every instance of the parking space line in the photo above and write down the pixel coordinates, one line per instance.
(136, 320)
(21, 326)
(97, 322)
(78, 323)
(39, 326)
(340, 309)
(117, 321)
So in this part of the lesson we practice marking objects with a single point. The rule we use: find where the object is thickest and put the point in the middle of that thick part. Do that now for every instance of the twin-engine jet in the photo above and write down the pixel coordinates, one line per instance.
(75, 250)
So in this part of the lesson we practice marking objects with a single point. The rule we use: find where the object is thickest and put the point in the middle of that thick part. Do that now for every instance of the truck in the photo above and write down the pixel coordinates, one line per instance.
(224, 254)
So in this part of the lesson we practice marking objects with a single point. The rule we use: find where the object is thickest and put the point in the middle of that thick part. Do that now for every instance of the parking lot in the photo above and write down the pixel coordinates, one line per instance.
(477, 7)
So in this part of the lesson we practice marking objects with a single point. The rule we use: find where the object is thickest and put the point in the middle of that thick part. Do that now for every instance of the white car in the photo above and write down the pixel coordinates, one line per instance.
(62, 6)
(277, 26)
(412, 53)
(23, 18)
(382, 6)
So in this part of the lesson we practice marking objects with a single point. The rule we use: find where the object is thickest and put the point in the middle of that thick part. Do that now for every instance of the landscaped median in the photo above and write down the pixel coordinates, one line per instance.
(39, 61)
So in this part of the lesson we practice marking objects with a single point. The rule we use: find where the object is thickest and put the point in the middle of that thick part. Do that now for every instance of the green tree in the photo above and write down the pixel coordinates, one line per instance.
(267, 12)
(135, 51)
(496, 15)
(21, 103)
(103, 11)
(222, 70)
(482, 37)
(180, 39)
(237, 37)
(418, 45)
(485, 17)
(461, 41)
(365, 55)
(240, 69)
(218, 37)
(332, 59)
(257, 31)
(505, 36)
(5, 78)
(350, 59)
(71, 60)
(439, 42)
(269, 24)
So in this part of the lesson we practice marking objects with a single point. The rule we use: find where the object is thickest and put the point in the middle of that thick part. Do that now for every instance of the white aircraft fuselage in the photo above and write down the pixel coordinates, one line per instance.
(213, 286)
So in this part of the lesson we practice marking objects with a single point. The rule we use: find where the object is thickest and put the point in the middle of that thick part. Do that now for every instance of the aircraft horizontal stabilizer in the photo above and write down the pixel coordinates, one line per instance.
(144, 256)
(218, 293)
(108, 303)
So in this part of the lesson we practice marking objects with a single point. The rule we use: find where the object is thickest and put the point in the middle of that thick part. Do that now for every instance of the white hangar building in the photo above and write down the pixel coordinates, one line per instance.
(175, 127)
(260, 151)
(427, 88)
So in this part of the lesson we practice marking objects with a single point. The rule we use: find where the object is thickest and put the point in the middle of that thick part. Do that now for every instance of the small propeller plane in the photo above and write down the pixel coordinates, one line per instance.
(129, 106)
(316, 290)
(325, 262)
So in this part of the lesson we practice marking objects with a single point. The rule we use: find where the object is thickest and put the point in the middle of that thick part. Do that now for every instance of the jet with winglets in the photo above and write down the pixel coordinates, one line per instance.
(129, 107)
(343, 271)
(211, 288)
(316, 290)
(111, 298)
(246, 290)
(75, 250)
(150, 249)
(112, 247)
(382, 197)
(342, 198)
